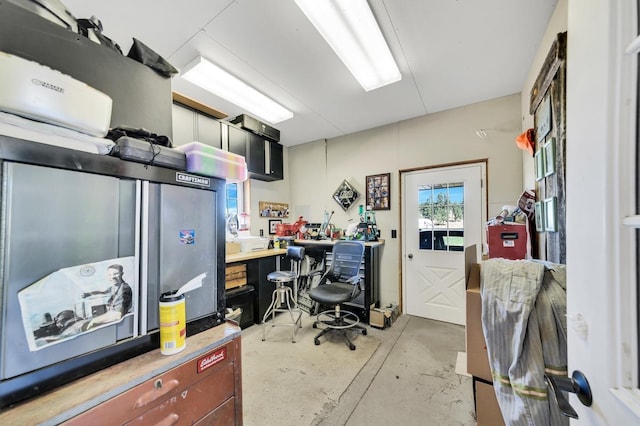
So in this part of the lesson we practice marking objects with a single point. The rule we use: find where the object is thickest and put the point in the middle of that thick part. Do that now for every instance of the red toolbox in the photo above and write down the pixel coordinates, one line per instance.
(507, 241)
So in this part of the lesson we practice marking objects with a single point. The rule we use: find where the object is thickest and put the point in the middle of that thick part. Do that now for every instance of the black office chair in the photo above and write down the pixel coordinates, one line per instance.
(283, 296)
(340, 284)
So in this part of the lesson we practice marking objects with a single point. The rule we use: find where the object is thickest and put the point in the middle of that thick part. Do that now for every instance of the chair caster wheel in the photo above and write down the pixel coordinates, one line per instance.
(263, 340)
(352, 347)
(364, 332)
(315, 325)
(316, 341)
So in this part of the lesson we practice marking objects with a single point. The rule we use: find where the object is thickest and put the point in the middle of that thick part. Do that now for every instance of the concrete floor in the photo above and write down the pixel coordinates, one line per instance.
(410, 380)
(407, 377)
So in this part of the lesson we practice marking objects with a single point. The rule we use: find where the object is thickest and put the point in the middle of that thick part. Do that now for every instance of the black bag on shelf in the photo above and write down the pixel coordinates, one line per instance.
(142, 53)
(142, 134)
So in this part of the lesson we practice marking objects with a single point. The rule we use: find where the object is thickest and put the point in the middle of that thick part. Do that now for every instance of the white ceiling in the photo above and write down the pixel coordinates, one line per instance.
(450, 52)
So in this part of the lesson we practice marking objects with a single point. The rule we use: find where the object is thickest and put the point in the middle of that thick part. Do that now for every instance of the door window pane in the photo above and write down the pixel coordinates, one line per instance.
(441, 217)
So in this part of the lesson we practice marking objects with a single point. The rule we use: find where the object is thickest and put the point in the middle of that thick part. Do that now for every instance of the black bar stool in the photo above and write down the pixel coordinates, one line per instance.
(284, 299)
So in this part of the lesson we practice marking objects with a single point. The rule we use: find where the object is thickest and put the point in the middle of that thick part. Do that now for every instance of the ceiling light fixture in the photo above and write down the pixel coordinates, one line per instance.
(211, 77)
(353, 33)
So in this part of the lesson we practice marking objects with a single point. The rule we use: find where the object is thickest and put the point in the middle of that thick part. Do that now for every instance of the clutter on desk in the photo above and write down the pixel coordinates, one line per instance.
(508, 232)
(366, 229)
(240, 240)
(296, 229)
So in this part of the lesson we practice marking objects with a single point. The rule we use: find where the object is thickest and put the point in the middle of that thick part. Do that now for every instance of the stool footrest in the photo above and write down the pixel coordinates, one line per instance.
(345, 320)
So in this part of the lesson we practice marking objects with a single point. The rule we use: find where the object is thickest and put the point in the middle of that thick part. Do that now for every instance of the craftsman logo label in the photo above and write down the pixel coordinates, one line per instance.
(212, 359)
(47, 85)
(194, 180)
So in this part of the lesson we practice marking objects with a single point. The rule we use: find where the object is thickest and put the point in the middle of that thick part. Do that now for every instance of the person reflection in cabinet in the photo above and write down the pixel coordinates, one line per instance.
(119, 303)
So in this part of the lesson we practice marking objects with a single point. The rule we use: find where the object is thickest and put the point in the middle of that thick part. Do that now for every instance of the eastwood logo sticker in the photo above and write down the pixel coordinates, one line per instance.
(212, 359)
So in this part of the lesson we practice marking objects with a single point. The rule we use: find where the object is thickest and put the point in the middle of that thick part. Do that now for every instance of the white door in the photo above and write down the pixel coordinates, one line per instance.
(442, 214)
(602, 305)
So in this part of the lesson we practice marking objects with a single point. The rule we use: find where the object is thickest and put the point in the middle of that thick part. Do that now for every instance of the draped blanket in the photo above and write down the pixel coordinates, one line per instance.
(524, 323)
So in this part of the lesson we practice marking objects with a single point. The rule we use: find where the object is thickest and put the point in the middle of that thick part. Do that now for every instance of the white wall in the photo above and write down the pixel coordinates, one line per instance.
(316, 169)
(557, 24)
(277, 192)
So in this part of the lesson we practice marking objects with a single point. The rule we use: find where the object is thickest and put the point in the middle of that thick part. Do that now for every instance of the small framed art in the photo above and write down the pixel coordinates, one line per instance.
(273, 224)
(543, 119)
(550, 215)
(539, 209)
(378, 192)
(538, 159)
(271, 209)
(549, 156)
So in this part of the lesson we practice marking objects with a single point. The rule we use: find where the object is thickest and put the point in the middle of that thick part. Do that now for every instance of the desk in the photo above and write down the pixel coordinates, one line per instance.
(371, 273)
(259, 264)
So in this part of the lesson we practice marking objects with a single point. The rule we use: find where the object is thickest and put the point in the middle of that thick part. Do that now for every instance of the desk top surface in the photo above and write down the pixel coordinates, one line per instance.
(333, 242)
(257, 254)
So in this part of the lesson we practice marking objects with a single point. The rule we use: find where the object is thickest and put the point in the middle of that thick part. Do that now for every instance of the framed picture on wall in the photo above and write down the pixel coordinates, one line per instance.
(378, 192)
(273, 224)
(543, 119)
(549, 156)
(539, 216)
(538, 159)
(271, 209)
(550, 215)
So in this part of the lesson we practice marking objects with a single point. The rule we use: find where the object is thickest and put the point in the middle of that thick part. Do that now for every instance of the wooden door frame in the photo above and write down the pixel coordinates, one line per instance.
(401, 174)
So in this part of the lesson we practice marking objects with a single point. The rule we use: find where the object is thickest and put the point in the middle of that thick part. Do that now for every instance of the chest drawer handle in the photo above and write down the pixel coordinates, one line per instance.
(170, 420)
(157, 392)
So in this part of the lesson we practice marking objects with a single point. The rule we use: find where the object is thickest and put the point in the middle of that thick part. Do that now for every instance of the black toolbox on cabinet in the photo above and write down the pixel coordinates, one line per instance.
(140, 151)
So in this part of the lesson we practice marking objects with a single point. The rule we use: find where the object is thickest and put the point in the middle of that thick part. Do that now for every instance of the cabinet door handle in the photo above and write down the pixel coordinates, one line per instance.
(159, 390)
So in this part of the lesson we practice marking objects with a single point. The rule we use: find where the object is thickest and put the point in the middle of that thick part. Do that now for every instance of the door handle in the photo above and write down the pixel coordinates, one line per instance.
(410, 255)
(577, 384)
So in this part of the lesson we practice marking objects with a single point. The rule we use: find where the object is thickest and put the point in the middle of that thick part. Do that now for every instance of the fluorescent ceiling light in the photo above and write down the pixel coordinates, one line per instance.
(353, 33)
(219, 82)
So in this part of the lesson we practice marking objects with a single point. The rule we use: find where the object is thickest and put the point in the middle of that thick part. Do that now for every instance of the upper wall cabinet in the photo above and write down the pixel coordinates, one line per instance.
(190, 125)
(275, 160)
(193, 121)
(237, 140)
(264, 157)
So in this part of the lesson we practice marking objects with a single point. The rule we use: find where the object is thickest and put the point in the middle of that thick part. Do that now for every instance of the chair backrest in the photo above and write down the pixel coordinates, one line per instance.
(295, 253)
(346, 259)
